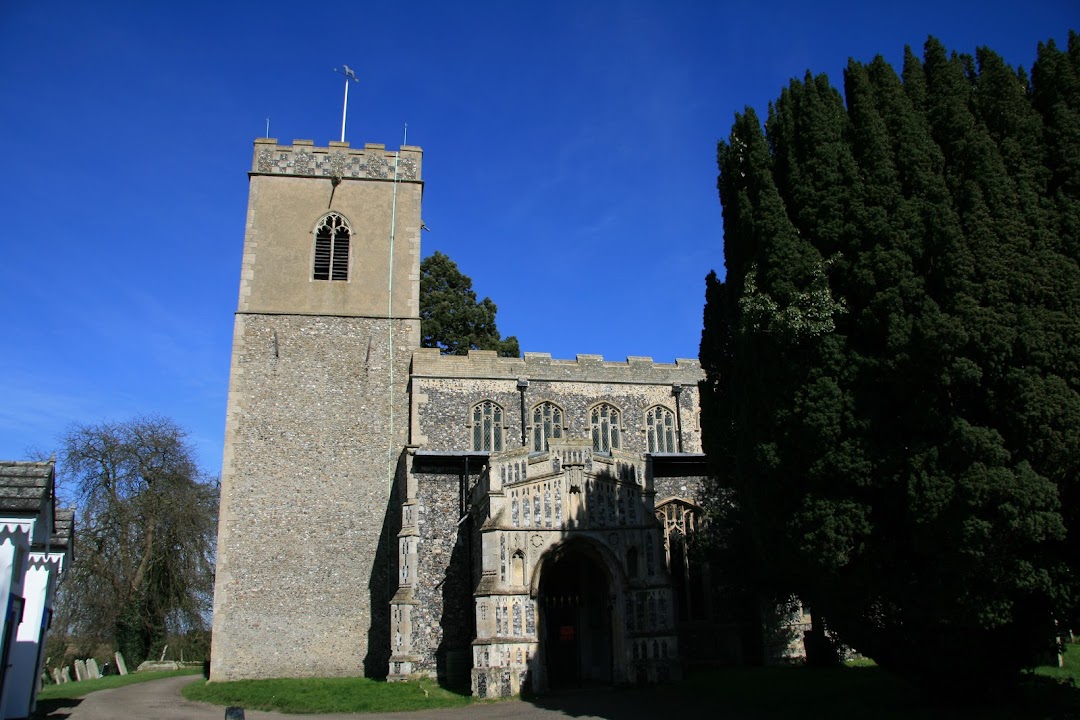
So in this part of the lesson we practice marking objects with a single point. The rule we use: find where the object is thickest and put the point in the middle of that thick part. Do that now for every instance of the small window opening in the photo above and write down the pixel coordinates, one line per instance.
(518, 573)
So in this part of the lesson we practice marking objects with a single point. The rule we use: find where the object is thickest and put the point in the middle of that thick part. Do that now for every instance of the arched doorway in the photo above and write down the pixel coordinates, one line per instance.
(575, 617)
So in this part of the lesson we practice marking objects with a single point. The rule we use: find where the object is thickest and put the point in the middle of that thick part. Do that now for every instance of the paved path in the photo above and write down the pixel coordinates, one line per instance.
(161, 700)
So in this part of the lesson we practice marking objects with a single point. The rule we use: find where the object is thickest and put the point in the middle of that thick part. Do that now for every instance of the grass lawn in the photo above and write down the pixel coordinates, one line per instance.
(1071, 669)
(864, 691)
(84, 687)
(861, 690)
(327, 695)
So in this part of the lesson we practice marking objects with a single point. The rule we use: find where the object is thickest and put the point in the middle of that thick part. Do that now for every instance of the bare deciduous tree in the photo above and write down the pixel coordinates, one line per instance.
(145, 534)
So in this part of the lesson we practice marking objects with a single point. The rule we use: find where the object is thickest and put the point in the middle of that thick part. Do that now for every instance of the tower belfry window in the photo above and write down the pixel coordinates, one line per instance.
(332, 248)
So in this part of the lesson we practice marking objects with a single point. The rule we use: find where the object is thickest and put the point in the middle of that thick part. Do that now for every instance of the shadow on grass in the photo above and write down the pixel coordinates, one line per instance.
(805, 693)
(632, 704)
(455, 689)
(55, 709)
(1054, 698)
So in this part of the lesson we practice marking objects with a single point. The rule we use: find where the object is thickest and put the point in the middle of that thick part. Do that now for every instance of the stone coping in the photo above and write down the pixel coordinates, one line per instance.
(486, 364)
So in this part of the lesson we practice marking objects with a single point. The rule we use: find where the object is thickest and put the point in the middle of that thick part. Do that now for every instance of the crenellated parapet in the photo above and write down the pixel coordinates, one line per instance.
(486, 364)
(303, 159)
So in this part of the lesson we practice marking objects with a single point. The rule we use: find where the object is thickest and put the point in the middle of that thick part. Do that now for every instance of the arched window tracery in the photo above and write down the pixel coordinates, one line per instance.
(332, 236)
(487, 426)
(680, 520)
(605, 421)
(547, 425)
(660, 428)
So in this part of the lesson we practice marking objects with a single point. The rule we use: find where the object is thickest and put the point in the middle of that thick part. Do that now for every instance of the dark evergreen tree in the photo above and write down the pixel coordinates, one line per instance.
(451, 317)
(893, 385)
(1048, 426)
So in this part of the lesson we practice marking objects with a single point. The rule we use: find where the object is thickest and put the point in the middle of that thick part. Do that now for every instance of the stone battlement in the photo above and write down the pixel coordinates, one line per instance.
(302, 158)
(486, 364)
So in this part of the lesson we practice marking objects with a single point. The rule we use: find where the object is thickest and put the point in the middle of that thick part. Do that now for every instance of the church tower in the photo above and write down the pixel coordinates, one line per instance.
(317, 414)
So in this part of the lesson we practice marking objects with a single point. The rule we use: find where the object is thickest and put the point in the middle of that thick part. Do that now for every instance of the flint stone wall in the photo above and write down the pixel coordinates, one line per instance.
(445, 388)
(687, 488)
(442, 621)
(302, 549)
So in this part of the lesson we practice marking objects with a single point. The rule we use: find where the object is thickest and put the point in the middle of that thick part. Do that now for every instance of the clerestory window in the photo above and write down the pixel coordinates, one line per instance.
(487, 430)
(547, 425)
(605, 428)
(332, 248)
(660, 427)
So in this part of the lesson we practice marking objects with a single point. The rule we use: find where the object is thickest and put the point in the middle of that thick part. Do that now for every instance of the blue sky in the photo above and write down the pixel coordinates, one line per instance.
(569, 160)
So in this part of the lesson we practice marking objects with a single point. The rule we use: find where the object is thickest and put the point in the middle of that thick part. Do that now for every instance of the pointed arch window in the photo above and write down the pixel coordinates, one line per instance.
(487, 427)
(606, 430)
(332, 248)
(517, 570)
(547, 425)
(680, 522)
(660, 427)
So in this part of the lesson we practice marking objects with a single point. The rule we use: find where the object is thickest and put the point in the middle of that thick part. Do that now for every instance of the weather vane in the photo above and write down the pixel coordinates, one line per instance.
(349, 75)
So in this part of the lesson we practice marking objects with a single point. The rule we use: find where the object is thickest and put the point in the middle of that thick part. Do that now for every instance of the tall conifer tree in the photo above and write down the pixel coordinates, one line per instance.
(892, 356)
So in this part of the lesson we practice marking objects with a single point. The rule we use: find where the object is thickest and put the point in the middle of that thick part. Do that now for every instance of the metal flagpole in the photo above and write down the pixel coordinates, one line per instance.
(344, 109)
(349, 75)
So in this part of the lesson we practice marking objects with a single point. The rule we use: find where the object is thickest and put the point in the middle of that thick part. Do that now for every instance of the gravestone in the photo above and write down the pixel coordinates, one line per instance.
(57, 676)
(92, 669)
(65, 674)
(154, 665)
(121, 666)
(80, 671)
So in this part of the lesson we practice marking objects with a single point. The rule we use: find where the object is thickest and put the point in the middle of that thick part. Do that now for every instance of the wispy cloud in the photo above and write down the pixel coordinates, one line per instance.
(38, 407)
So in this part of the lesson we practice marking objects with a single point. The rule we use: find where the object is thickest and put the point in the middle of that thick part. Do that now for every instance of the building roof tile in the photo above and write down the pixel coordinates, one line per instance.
(25, 485)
